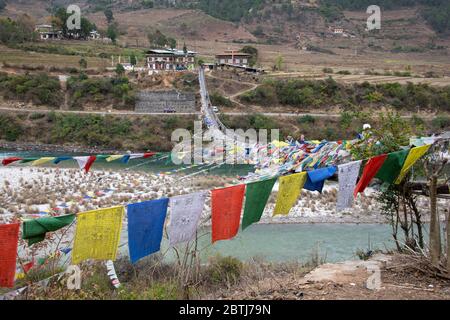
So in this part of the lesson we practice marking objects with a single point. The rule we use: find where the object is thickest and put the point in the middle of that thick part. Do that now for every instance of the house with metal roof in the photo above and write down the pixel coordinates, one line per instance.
(170, 60)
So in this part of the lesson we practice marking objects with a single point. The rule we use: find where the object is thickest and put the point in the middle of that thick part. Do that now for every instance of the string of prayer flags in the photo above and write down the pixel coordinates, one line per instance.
(97, 234)
(145, 227)
(414, 155)
(316, 178)
(256, 196)
(9, 236)
(289, 190)
(10, 160)
(34, 230)
(370, 170)
(42, 160)
(348, 175)
(85, 162)
(226, 211)
(391, 167)
(185, 213)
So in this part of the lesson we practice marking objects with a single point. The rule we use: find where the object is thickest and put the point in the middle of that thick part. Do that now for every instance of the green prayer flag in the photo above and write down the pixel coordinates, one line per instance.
(25, 160)
(392, 166)
(34, 230)
(256, 198)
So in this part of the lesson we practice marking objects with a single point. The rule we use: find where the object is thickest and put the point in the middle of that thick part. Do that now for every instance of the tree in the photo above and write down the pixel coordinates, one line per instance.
(133, 61)
(83, 63)
(172, 43)
(279, 61)
(112, 32)
(109, 15)
(253, 52)
(185, 49)
(2, 4)
(157, 39)
(120, 70)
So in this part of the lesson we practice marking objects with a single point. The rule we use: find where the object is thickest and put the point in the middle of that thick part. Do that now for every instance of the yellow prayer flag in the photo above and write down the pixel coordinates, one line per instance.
(288, 192)
(42, 160)
(97, 235)
(114, 157)
(279, 144)
(414, 155)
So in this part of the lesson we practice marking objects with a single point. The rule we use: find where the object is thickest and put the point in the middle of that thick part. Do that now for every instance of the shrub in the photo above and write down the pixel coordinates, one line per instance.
(224, 270)
(218, 100)
(306, 119)
(10, 128)
(327, 70)
(441, 122)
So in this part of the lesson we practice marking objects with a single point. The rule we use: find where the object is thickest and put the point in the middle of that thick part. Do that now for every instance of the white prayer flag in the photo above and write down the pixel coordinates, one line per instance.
(185, 212)
(348, 176)
(82, 161)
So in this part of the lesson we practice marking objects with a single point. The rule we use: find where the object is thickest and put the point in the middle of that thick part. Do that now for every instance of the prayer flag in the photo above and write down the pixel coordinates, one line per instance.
(114, 157)
(185, 213)
(256, 196)
(226, 211)
(10, 160)
(9, 236)
(34, 230)
(145, 227)
(316, 178)
(370, 170)
(85, 162)
(59, 159)
(391, 167)
(42, 160)
(97, 234)
(414, 155)
(348, 175)
(289, 191)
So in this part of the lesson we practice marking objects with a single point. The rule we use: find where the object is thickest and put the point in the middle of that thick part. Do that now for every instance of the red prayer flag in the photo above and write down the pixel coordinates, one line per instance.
(370, 171)
(9, 237)
(89, 163)
(149, 154)
(7, 161)
(226, 211)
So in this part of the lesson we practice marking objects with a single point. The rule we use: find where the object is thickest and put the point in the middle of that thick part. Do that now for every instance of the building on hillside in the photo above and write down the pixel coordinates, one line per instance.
(94, 35)
(48, 32)
(170, 60)
(337, 30)
(232, 57)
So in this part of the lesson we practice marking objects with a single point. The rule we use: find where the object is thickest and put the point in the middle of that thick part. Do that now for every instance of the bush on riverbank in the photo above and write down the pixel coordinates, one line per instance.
(40, 89)
(100, 92)
(325, 93)
(112, 132)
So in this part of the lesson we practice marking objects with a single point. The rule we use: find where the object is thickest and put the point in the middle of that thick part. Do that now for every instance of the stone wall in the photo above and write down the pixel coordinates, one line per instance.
(161, 101)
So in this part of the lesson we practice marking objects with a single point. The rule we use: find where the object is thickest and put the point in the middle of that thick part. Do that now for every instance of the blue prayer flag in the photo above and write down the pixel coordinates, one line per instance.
(316, 178)
(59, 159)
(145, 227)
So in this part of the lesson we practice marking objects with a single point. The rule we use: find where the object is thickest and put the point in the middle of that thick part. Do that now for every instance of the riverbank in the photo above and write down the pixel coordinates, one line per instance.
(55, 148)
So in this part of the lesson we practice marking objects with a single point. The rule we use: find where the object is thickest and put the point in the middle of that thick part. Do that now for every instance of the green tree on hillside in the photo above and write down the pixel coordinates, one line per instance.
(2, 4)
(112, 32)
(83, 63)
(109, 15)
(120, 70)
(253, 52)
